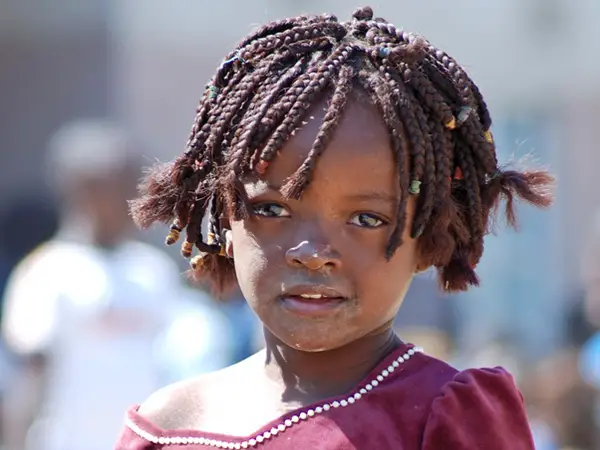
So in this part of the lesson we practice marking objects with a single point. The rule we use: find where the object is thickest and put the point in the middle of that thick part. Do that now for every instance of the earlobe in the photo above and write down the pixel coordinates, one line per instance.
(421, 268)
(228, 244)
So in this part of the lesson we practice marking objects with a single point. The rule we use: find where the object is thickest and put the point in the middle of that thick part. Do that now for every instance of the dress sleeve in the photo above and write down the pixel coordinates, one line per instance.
(478, 409)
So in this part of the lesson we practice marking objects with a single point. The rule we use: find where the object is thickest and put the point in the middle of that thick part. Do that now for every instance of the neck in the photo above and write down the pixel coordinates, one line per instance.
(312, 376)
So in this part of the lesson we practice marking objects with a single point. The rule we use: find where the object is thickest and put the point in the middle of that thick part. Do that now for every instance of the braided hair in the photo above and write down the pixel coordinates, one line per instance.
(436, 116)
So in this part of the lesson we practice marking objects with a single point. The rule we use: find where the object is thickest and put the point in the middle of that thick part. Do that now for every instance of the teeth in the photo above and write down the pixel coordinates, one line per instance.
(316, 296)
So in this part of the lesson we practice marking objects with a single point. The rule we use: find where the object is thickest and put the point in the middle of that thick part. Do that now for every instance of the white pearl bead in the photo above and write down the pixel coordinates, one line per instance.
(287, 423)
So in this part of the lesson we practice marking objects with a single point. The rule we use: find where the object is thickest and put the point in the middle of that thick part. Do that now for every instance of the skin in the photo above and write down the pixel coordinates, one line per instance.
(102, 200)
(334, 237)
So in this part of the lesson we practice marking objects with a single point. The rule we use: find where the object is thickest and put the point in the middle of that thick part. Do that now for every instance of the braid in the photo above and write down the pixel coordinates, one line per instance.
(438, 122)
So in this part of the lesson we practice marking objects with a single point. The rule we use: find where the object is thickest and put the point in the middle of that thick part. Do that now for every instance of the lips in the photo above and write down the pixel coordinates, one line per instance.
(312, 300)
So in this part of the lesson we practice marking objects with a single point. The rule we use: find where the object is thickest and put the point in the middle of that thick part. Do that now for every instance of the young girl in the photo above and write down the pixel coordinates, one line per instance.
(331, 161)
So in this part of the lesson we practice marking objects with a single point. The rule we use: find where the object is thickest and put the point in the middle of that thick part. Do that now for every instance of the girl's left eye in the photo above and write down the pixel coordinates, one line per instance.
(270, 210)
(365, 220)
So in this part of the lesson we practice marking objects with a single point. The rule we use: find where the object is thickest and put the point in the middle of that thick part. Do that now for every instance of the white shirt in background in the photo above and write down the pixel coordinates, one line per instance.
(101, 316)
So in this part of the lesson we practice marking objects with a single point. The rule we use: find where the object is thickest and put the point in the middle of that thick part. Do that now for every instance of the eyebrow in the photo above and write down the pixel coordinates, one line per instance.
(377, 196)
(359, 197)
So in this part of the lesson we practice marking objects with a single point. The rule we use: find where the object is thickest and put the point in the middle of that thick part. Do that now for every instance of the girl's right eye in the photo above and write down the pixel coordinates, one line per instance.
(270, 210)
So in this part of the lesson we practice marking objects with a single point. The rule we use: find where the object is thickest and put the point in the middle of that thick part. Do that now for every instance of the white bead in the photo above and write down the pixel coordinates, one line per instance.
(287, 423)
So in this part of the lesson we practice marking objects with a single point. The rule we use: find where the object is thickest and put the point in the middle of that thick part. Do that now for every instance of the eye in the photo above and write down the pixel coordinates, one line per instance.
(366, 220)
(270, 210)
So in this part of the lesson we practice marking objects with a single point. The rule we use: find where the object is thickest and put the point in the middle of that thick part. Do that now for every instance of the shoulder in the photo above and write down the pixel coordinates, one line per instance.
(462, 414)
(176, 406)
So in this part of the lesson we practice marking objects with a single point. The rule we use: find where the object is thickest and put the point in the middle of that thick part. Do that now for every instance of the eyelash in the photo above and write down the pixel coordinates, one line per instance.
(266, 210)
(380, 222)
(262, 209)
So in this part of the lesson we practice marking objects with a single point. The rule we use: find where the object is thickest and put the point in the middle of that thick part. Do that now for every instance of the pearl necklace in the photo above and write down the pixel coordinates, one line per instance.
(287, 423)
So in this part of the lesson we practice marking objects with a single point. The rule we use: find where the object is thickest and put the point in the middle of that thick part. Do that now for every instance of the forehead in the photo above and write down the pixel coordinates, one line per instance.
(358, 151)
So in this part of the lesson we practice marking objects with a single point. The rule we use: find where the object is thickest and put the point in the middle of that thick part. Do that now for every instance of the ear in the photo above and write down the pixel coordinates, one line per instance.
(228, 243)
(421, 267)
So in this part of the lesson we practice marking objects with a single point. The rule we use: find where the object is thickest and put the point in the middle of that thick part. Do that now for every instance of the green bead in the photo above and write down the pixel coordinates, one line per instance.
(415, 187)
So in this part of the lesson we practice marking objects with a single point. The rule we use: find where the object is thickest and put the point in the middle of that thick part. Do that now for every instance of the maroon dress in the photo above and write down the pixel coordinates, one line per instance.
(409, 401)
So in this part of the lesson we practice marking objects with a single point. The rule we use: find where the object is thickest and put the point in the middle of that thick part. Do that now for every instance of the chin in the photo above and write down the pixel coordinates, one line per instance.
(311, 341)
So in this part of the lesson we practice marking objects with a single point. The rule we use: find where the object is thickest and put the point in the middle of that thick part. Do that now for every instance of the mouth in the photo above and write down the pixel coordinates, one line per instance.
(312, 300)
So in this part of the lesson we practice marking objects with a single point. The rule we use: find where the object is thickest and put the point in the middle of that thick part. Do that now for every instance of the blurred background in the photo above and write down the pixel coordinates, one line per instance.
(93, 90)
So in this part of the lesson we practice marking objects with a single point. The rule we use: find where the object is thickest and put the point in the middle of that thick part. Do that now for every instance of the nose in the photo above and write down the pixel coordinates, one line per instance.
(312, 256)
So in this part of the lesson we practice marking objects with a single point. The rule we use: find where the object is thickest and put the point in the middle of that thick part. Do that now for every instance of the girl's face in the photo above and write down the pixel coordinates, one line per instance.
(314, 270)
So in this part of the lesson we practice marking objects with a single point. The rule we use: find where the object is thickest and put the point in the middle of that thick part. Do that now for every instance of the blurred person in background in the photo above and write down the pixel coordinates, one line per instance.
(25, 222)
(562, 389)
(91, 313)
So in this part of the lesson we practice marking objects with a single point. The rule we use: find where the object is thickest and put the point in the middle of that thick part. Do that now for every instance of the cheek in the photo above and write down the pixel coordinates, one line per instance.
(249, 258)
